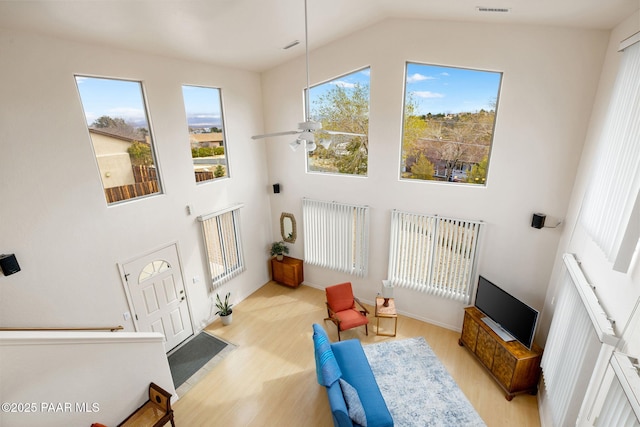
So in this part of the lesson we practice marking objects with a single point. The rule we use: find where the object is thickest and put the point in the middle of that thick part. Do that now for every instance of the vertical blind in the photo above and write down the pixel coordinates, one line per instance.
(336, 236)
(611, 207)
(223, 244)
(579, 334)
(433, 254)
(621, 406)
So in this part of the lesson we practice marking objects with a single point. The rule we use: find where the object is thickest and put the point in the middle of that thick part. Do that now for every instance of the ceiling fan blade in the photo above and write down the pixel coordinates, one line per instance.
(335, 132)
(267, 135)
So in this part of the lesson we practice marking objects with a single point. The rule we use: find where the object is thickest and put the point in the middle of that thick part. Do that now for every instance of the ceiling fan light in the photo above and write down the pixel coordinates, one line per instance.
(311, 146)
(307, 136)
(294, 145)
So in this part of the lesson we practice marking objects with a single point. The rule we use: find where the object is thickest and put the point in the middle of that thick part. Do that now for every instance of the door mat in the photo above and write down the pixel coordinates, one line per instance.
(194, 355)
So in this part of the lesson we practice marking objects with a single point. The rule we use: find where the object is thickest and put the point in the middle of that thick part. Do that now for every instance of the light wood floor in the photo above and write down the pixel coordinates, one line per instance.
(269, 379)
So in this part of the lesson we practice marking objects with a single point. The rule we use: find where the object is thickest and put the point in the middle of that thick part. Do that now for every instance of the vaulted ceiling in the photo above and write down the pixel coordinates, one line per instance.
(251, 34)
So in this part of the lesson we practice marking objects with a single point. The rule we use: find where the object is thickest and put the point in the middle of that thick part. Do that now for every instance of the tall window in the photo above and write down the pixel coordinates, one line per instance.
(611, 211)
(341, 105)
(121, 137)
(203, 106)
(433, 254)
(336, 236)
(223, 243)
(449, 117)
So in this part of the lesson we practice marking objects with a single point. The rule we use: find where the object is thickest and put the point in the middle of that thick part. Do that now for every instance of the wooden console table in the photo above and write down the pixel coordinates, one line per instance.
(288, 271)
(514, 367)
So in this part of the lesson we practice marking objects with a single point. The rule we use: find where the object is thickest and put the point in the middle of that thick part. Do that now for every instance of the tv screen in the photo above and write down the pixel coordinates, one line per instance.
(514, 316)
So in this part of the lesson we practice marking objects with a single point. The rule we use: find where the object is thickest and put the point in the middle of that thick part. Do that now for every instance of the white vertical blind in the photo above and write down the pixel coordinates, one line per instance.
(336, 236)
(611, 210)
(621, 406)
(578, 336)
(223, 244)
(433, 254)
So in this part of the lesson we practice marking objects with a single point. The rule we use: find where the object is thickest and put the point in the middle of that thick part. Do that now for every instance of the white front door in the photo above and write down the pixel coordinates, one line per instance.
(158, 296)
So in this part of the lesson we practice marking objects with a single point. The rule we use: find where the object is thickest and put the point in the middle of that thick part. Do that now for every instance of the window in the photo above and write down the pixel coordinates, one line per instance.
(433, 254)
(203, 106)
(341, 105)
(449, 118)
(611, 211)
(223, 244)
(121, 137)
(336, 236)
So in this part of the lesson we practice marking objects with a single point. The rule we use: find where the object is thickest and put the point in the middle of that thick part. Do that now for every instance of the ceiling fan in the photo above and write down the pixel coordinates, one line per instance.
(308, 129)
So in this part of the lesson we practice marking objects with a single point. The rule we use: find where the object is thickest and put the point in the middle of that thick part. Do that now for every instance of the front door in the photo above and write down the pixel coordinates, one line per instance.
(158, 297)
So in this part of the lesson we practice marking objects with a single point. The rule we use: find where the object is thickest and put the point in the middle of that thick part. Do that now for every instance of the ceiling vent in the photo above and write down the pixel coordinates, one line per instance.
(493, 9)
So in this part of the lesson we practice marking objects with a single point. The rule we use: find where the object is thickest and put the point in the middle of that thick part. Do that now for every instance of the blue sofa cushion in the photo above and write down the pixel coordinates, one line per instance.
(327, 369)
(354, 405)
(357, 372)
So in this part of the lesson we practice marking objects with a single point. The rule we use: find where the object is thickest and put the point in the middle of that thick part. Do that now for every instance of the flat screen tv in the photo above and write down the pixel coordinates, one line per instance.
(511, 314)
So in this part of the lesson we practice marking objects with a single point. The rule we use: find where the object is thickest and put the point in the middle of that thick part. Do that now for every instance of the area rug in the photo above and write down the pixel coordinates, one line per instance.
(192, 356)
(416, 386)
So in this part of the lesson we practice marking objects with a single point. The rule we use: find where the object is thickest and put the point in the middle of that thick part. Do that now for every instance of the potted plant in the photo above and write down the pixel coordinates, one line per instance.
(224, 308)
(279, 249)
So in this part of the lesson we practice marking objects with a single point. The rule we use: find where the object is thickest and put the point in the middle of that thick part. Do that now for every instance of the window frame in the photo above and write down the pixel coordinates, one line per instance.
(402, 168)
(230, 270)
(150, 131)
(310, 114)
(225, 144)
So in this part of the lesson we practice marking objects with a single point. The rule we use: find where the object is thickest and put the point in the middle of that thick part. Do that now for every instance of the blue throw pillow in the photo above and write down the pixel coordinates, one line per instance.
(327, 369)
(354, 405)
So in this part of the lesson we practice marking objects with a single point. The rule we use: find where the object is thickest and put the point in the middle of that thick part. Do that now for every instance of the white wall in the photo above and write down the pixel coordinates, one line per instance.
(618, 292)
(549, 84)
(53, 214)
(42, 370)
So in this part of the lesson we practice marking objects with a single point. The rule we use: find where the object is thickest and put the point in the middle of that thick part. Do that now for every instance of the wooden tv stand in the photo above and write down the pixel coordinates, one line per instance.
(514, 367)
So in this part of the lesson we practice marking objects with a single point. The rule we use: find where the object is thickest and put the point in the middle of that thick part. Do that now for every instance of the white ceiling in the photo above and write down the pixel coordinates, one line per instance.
(250, 34)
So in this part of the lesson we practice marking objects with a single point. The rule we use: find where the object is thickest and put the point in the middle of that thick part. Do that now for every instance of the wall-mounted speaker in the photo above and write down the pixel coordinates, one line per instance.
(9, 264)
(538, 220)
(276, 188)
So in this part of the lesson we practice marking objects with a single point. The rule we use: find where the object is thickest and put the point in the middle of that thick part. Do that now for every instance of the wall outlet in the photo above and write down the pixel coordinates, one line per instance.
(126, 315)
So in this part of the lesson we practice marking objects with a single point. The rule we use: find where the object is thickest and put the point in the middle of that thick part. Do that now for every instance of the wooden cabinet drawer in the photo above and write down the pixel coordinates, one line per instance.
(469, 332)
(288, 271)
(504, 365)
(486, 348)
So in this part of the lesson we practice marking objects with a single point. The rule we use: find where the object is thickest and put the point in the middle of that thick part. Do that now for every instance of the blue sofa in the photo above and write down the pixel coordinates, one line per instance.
(345, 362)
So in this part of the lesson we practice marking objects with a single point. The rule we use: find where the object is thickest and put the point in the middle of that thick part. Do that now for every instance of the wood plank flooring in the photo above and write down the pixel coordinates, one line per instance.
(270, 380)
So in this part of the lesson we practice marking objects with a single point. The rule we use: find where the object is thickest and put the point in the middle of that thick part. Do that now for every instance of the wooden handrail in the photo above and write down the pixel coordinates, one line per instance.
(103, 328)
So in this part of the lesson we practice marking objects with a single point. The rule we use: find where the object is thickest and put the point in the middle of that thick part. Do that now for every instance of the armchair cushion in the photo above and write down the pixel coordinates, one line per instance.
(351, 319)
(340, 297)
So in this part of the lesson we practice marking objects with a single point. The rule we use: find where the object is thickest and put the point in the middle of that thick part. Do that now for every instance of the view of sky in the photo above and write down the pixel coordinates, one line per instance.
(203, 106)
(349, 80)
(123, 99)
(438, 89)
(113, 98)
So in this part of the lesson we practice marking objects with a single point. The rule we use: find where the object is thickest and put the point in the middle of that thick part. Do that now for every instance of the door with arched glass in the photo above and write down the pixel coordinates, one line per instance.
(158, 295)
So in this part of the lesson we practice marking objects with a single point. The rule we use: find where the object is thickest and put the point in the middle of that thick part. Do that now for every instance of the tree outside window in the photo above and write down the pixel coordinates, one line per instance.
(341, 105)
(449, 119)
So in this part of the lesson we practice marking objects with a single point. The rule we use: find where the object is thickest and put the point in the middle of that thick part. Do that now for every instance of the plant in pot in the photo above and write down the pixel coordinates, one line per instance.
(224, 308)
(279, 249)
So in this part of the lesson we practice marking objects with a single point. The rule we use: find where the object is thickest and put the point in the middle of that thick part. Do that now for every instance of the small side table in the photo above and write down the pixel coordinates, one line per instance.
(386, 313)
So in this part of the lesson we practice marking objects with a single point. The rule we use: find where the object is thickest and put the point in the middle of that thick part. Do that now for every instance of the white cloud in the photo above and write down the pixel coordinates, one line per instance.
(427, 94)
(342, 83)
(444, 73)
(417, 77)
